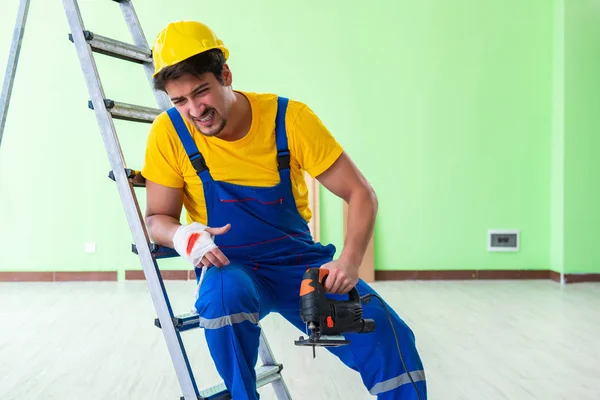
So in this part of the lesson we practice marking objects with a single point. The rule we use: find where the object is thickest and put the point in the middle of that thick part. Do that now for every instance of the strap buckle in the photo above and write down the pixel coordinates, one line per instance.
(283, 159)
(198, 162)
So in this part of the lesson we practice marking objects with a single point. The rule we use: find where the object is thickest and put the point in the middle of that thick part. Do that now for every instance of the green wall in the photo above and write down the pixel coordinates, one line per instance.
(582, 142)
(448, 107)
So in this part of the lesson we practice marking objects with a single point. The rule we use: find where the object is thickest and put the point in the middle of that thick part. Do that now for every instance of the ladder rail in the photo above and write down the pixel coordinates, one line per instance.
(130, 205)
(13, 60)
(267, 358)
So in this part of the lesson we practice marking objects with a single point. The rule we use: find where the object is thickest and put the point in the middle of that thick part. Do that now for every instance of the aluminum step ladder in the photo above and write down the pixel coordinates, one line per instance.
(87, 43)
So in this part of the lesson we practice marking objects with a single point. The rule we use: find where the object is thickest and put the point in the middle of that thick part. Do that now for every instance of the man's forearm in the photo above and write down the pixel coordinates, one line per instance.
(362, 210)
(161, 229)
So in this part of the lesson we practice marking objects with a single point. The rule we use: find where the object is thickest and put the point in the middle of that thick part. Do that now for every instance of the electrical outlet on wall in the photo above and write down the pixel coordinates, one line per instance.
(90, 247)
(503, 240)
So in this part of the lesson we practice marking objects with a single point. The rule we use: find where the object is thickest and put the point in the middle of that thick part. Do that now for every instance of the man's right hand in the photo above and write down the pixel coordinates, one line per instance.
(194, 242)
(215, 256)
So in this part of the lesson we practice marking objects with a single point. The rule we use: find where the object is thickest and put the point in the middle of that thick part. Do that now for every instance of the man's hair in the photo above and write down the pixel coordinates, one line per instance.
(208, 61)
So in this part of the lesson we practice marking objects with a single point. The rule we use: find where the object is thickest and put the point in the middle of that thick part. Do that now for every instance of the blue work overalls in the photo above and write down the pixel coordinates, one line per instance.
(269, 246)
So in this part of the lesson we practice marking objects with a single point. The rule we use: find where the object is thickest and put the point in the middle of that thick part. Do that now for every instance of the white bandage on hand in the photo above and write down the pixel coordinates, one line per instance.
(192, 242)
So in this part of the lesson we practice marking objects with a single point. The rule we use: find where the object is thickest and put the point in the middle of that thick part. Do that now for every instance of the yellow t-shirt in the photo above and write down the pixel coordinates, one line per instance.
(250, 161)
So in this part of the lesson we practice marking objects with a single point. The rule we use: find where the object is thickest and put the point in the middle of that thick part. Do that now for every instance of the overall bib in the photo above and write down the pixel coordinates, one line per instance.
(269, 246)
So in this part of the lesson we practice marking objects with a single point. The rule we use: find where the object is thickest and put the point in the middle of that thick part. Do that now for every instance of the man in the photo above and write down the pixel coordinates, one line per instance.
(235, 161)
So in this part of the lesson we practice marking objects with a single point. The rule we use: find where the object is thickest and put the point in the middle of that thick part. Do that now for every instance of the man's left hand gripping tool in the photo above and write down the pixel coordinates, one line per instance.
(326, 318)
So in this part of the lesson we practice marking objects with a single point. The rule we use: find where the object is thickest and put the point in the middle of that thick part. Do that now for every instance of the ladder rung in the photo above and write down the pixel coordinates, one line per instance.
(183, 322)
(158, 251)
(264, 375)
(116, 48)
(134, 176)
(267, 374)
(129, 112)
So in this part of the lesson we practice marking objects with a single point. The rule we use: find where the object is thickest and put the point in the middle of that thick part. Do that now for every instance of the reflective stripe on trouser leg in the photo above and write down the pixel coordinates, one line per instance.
(418, 377)
(229, 305)
(219, 322)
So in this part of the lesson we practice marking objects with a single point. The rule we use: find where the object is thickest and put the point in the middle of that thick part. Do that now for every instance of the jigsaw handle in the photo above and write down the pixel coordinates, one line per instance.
(353, 294)
(313, 302)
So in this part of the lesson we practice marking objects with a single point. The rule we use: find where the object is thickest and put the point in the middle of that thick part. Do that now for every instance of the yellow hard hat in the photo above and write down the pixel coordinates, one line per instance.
(182, 39)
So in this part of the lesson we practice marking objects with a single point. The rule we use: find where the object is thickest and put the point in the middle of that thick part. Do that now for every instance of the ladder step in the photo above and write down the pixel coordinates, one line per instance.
(268, 374)
(134, 176)
(129, 112)
(183, 322)
(158, 251)
(115, 48)
(264, 375)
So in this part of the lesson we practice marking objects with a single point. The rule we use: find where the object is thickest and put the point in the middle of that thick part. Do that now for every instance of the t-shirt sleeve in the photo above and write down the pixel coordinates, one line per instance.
(312, 144)
(160, 161)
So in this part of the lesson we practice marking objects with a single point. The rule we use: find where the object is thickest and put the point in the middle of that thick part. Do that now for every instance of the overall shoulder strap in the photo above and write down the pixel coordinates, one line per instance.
(283, 153)
(188, 142)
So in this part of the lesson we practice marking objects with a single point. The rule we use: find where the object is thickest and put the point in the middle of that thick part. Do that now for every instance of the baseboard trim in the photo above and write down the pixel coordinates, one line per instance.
(387, 275)
(83, 276)
(426, 275)
(462, 275)
(57, 276)
(576, 278)
(167, 275)
(555, 276)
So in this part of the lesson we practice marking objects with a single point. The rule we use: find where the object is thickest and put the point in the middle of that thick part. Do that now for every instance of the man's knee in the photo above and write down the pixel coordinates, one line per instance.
(227, 296)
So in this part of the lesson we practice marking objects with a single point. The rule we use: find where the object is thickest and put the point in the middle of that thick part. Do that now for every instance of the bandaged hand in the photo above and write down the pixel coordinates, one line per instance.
(194, 242)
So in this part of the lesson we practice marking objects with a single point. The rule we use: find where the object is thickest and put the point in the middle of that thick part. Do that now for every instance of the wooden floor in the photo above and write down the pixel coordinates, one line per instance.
(479, 340)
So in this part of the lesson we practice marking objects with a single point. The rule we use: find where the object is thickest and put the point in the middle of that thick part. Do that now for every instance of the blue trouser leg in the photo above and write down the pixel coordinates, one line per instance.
(230, 306)
(375, 355)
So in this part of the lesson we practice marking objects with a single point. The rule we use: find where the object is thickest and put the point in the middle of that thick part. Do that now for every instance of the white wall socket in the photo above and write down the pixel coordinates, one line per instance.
(90, 247)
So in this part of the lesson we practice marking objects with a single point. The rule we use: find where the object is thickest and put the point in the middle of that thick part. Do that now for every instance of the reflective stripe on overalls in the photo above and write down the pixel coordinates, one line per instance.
(269, 246)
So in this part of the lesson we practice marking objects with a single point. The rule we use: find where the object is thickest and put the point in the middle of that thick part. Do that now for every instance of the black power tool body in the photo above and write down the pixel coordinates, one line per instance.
(326, 318)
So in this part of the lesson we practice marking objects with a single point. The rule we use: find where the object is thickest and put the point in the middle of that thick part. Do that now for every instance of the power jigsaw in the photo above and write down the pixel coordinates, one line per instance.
(327, 319)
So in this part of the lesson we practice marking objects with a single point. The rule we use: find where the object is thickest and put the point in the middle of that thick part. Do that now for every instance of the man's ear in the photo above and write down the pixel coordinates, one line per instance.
(226, 75)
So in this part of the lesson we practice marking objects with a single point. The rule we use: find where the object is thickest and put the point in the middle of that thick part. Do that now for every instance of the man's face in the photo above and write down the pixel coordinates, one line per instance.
(201, 101)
